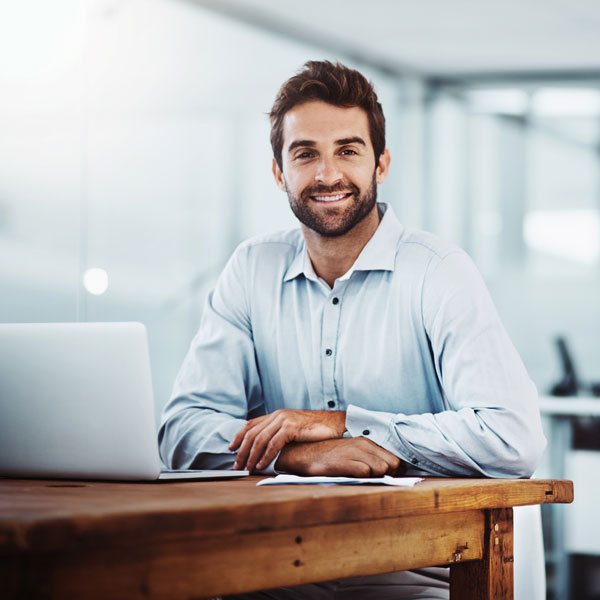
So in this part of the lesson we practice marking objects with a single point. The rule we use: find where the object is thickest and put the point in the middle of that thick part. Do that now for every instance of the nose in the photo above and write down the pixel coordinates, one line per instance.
(328, 172)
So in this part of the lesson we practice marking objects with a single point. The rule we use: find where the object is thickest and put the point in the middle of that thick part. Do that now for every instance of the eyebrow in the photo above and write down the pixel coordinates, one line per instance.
(301, 144)
(312, 144)
(351, 140)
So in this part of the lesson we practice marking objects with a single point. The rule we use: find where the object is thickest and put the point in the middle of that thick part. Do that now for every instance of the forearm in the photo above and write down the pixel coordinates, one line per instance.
(351, 457)
(198, 439)
(492, 442)
(295, 458)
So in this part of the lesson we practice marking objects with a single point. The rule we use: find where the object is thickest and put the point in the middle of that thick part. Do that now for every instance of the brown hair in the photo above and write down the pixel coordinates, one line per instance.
(332, 83)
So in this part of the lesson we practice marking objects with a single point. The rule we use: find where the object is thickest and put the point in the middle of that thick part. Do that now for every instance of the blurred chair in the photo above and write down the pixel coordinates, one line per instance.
(529, 565)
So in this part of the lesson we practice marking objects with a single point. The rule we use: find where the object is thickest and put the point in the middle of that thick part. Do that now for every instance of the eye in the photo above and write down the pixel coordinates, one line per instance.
(305, 154)
(348, 152)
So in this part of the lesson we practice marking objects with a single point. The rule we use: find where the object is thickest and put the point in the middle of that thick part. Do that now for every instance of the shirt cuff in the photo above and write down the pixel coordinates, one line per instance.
(379, 427)
(373, 425)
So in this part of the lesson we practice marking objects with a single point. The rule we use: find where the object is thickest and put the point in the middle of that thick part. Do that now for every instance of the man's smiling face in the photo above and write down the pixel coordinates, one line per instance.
(329, 168)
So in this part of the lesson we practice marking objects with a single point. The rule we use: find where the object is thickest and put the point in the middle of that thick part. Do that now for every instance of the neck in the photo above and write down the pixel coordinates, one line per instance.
(331, 257)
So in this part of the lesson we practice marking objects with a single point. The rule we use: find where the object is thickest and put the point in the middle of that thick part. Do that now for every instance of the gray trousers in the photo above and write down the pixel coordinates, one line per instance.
(424, 584)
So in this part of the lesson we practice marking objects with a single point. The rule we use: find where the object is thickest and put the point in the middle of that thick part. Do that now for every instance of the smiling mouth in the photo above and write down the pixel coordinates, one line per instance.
(331, 197)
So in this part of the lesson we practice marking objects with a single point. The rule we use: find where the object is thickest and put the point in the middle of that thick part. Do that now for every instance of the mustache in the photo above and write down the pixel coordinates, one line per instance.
(317, 190)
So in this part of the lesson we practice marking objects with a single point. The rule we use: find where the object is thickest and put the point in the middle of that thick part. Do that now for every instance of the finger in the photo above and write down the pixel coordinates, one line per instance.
(399, 470)
(385, 460)
(244, 449)
(278, 441)
(381, 460)
(375, 449)
(249, 440)
(357, 468)
(260, 443)
(239, 436)
(379, 467)
(394, 464)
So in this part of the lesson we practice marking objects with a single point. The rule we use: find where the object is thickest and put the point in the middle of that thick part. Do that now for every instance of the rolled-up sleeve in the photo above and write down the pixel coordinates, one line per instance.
(491, 423)
(218, 386)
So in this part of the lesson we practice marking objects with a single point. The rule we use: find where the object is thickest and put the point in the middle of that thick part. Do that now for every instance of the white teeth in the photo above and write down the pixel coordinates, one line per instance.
(329, 198)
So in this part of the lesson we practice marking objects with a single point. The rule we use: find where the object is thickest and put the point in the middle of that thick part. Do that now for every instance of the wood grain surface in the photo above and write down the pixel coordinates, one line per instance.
(211, 566)
(42, 515)
(73, 540)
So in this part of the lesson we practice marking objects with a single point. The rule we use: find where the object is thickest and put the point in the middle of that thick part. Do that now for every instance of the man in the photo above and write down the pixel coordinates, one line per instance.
(352, 346)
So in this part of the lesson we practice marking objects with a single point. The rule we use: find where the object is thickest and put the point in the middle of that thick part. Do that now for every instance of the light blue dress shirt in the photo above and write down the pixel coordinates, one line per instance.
(408, 342)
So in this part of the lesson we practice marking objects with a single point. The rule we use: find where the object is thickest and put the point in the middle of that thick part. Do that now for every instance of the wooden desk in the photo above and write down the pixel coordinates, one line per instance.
(194, 540)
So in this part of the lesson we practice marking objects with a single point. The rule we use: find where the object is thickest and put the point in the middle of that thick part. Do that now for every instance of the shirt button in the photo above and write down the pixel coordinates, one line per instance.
(336, 300)
(414, 461)
(366, 432)
(328, 352)
(331, 404)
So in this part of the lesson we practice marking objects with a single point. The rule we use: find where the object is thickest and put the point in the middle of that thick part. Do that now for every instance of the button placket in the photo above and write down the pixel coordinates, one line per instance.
(331, 317)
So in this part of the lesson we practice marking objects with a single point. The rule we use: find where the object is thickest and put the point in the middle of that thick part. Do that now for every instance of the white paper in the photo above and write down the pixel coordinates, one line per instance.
(385, 480)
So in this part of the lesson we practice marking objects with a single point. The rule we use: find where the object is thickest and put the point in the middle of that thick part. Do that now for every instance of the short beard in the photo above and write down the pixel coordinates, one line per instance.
(324, 222)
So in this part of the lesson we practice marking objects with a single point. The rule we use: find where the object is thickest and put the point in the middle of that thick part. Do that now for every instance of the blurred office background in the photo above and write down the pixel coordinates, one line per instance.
(134, 157)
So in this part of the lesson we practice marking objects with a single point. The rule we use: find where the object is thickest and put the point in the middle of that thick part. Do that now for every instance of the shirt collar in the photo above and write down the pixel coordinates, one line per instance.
(379, 253)
(297, 266)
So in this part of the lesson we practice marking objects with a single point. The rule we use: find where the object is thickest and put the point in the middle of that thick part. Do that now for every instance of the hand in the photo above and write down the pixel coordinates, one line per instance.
(349, 457)
(262, 438)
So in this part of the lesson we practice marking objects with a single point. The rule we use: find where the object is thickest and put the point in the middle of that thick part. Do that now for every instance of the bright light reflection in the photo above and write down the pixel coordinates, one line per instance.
(566, 102)
(95, 281)
(40, 40)
(570, 234)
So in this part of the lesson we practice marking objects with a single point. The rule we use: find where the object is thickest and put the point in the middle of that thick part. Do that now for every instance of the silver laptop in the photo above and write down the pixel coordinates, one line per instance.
(76, 402)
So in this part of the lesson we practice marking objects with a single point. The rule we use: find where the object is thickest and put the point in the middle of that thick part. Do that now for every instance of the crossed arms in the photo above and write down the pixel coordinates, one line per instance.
(310, 442)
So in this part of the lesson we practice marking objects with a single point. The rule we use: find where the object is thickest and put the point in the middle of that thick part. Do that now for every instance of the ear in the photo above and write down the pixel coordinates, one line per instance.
(278, 174)
(383, 166)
